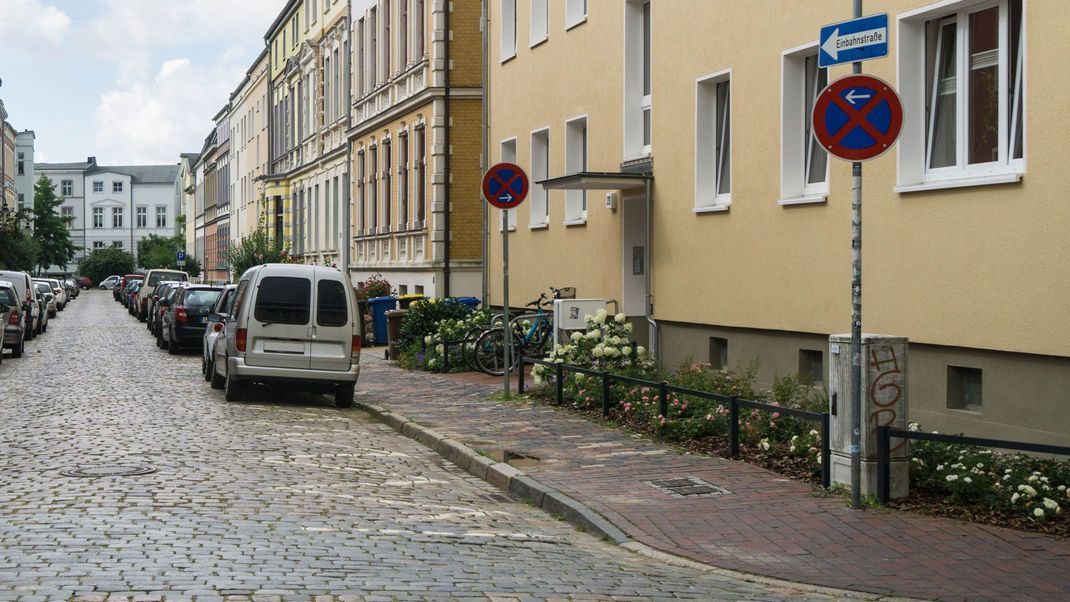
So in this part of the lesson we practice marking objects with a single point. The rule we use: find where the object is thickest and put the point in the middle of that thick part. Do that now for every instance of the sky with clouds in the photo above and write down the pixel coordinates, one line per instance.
(127, 81)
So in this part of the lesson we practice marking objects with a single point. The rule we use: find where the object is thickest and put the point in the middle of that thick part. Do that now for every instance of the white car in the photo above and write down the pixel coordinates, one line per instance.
(57, 289)
(154, 278)
(110, 282)
(290, 325)
(50, 297)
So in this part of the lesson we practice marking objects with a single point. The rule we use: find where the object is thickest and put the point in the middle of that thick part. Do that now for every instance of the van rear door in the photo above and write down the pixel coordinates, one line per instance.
(332, 330)
(280, 327)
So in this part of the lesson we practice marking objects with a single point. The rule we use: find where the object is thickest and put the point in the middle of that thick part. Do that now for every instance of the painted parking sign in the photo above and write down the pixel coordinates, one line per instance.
(857, 117)
(505, 185)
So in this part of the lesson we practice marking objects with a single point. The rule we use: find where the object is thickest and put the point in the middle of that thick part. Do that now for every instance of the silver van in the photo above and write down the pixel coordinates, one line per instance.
(290, 324)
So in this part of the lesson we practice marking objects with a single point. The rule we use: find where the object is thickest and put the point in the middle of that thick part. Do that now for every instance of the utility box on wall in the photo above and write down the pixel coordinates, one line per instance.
(884, 403)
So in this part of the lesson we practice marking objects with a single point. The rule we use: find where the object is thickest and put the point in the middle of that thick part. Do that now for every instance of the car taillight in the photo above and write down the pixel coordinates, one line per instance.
(15, 318)
(239, 339)
(217, 327)
(356, 344)
(180, 314)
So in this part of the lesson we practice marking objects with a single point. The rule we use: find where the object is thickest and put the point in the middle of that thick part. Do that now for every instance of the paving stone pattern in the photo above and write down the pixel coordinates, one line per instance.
(767, 525)
(281, 497)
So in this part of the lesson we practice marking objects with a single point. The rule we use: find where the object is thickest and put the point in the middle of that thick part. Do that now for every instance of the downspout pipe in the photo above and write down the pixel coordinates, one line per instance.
(449, 158)
(655, 333)
(484, 157)
(347, 210)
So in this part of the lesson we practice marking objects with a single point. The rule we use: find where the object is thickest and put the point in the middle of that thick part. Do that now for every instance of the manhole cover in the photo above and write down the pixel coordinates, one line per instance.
(687, 487)
(108, 471)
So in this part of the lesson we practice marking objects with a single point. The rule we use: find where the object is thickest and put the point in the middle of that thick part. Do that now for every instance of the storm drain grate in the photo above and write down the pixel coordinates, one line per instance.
(107, 471)
(687, 487)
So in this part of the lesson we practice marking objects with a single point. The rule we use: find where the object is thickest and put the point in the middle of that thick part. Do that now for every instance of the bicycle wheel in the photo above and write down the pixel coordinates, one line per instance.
(468, 347)
(490, 352)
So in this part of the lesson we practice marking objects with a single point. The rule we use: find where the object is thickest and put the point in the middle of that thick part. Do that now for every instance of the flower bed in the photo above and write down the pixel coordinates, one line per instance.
(432, 323)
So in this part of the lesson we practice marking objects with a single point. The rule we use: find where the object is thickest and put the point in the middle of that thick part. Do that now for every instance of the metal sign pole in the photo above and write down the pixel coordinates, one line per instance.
(856, 315)
(508, 324)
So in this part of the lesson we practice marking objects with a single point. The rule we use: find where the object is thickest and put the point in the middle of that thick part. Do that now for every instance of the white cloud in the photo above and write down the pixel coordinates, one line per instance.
(30, 25)
(151, 118)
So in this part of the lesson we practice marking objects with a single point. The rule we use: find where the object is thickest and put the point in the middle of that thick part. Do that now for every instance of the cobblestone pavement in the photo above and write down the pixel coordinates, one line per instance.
(283, 497)
(766, 525)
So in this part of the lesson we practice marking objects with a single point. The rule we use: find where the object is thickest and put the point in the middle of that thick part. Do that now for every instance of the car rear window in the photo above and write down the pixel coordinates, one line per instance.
(201, 297)
(158, 276)
(283, 300)
(331, 306)
(7, 297)
(44, 288)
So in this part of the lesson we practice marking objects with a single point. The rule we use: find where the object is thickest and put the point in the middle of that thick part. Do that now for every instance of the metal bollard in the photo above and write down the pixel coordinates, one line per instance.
(733, 427)
(605, 394)
(663, 399)
(559, 382)
(826, 453)
(884, 453)
(520, 370)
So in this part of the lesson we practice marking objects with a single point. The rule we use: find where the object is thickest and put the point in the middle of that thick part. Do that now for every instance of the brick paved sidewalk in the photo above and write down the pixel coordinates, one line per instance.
(767, 525)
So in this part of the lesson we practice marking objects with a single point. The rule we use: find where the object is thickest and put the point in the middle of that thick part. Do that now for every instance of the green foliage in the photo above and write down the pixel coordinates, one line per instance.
(424, 317)
(49, 229)
(159, 252)
(255, 249)
(102, 263)
(374, 286)
(18, 249)
(193, 266)
(447, 330)
(1014, 483)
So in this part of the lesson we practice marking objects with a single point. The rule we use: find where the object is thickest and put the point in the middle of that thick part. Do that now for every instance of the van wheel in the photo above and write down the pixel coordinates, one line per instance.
(232, 388)
(17, 350)
(343, 396)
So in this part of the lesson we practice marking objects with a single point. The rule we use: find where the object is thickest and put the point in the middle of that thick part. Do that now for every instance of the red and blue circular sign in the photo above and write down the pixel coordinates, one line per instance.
(505, 185)
(857, 117)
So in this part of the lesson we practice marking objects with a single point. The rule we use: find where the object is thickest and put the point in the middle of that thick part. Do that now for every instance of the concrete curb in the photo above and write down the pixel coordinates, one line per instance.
(508, 478)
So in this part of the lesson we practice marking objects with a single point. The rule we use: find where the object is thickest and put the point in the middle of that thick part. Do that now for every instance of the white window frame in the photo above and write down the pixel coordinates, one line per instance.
(117, 186)
(161, 212)
(707, 182)
(795, 189)
(576, 160)
(507, 154)
(913, 173)
(507, 26)
(539, 23)
(66, 188)
(98, 217)
(142, 216)
(575, 13)
(539, 208)
(98, 186)
(636, 104)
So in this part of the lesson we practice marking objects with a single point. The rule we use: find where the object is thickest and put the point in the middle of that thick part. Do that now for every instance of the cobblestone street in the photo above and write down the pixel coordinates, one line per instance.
(276, 498)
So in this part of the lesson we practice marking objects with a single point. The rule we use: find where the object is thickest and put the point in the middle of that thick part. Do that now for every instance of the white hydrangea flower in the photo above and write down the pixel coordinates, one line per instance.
(764, 444)
(620, 318)
(576, 337)
(967, 480)
(952, 478)
(1014, 498)
(1050, 504)
(640, 350)
(628, 327)
(598, 351)
(1038, 512)
(626, 351)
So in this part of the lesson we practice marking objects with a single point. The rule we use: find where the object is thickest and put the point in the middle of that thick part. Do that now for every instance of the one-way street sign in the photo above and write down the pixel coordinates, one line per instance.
(854, 40)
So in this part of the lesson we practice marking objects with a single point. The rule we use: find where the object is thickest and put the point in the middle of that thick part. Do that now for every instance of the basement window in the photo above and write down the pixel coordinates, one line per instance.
(718, 353)
(964, 388)
(811, 367)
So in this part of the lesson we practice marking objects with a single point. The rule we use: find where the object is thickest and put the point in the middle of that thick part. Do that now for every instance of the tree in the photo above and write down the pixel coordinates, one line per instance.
(256, 249)
(193, 266)
(18, 250)
(49, 229)
(155, 252)
(102, 263)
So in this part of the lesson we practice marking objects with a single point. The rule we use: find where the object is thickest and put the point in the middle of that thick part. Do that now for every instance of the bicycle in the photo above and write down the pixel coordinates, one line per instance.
(487, 352)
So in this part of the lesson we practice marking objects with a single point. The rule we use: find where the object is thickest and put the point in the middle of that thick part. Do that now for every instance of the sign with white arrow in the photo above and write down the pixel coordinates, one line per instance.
(855, 40)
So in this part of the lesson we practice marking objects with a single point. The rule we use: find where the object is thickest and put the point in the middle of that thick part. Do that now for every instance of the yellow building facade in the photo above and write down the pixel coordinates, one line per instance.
(249, 148)
(748, 252)
(283, 45)
(414, 145)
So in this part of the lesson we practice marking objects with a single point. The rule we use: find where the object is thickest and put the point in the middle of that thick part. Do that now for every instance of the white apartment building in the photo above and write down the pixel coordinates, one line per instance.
(24, 169)
(114, 206)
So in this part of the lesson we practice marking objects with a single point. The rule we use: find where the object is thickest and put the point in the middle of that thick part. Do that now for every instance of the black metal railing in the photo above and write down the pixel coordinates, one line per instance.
(664, 388)
(884, 451)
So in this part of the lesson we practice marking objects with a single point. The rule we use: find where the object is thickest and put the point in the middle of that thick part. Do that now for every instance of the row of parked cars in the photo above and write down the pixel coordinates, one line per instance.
(292, 326)
(27, 304)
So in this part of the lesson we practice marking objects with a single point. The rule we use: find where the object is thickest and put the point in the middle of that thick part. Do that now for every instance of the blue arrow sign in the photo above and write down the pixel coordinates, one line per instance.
(854, 40)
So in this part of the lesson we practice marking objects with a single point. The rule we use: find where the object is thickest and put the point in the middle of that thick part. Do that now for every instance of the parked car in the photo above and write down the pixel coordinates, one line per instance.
(155, 309)
(49, 298)
(186, 315)
(290, 324)
(72, 287)
(131, 296)
(120, 289)
(45, 299)
(110, 282)
(57, 290)
(215, 329)
(84, 282)
(152, 279)
(24, 290)
(15, 325)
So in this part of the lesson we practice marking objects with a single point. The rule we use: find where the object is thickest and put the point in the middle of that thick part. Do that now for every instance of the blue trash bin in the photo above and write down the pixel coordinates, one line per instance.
(379, 306)
(470, 302)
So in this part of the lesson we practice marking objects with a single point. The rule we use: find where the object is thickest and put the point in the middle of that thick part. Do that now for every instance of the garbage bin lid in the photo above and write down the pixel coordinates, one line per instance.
(382, 299)
(390, 313)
